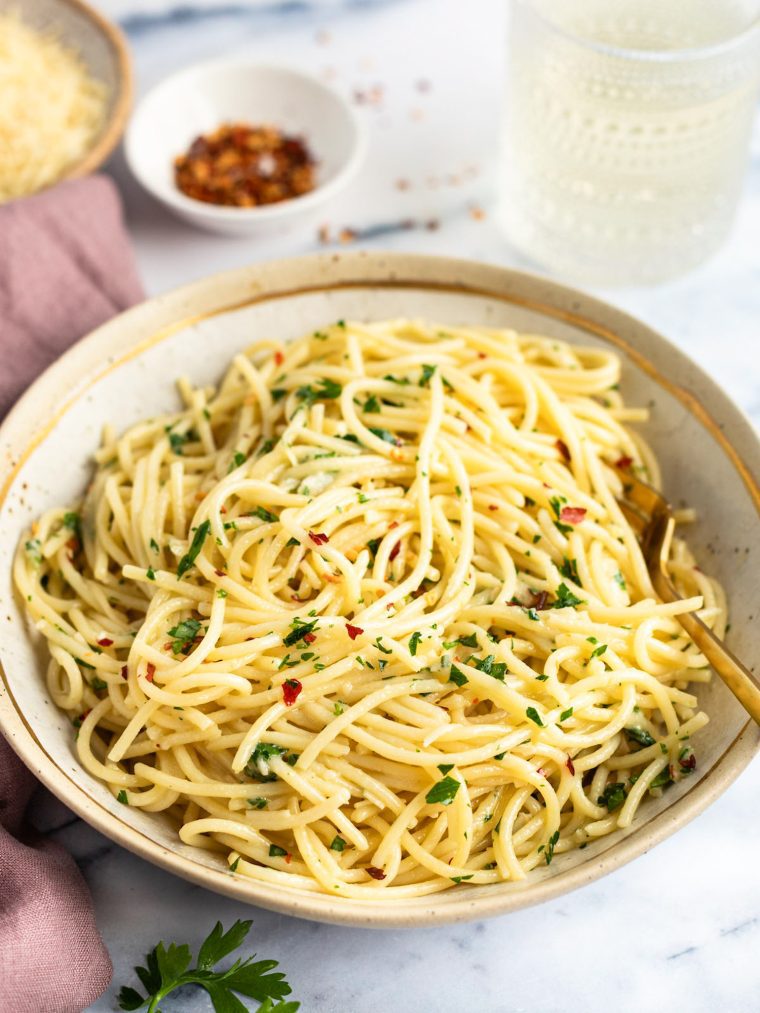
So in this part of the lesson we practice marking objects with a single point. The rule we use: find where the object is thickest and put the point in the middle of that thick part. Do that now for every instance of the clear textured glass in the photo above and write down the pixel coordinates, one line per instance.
(626, 132)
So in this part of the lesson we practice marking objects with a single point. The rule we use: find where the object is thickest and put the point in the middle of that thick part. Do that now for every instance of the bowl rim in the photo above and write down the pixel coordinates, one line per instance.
(115, 125)
(280, 210)
(130, 333)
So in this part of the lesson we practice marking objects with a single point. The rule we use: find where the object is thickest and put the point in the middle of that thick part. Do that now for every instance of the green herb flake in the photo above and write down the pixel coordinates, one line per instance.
(565, 598)
(414, 641)
(183, 635)
(640, 735)
(122, 797)
(613, 796)
(188, 560)
(443, 792)
(566, 714)
(534, 716)
(258, 803)
(337, 844)
(457, 676)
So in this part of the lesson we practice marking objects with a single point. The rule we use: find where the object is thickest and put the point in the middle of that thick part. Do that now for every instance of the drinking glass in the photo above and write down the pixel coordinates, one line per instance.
(626, 132)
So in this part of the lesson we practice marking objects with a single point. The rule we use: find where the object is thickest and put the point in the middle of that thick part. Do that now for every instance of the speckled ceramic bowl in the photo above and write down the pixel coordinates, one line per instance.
(125, 371)
(104, 52)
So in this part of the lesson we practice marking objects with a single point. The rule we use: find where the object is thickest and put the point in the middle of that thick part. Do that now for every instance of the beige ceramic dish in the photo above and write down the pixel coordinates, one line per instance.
(125, 371)
(105, 53)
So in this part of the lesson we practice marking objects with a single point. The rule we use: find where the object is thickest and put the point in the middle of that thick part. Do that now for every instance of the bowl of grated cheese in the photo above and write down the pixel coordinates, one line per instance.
(66, 86)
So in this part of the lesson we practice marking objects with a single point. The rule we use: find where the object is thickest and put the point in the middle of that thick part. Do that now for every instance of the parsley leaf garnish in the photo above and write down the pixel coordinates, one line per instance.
(298, 633)
(372, 405)
(640, 735)
(325, 390)
(613, 796)
(534, 716)
(183, 635)
(456, 675)
(188, 560)
(565, 598)
(168, 968)
(549, 852)
(443, 792)
(414, 641)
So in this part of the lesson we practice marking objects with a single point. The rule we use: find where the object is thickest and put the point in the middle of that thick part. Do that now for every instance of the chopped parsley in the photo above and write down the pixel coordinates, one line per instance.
(275, 851)
(258, 803)
(372, 405)
(183, 635)
(122, 797)
(337, 844)
(414, 641)
(565, 598)
(427, 375)
(640, 735)
(299, 632)
(534, 716)
(569, 569)
(613, 796)
(549, 852)
(443, 792)
(599, 651)
(188, 560)
(325, 390)
(566, 714)
(457, 676)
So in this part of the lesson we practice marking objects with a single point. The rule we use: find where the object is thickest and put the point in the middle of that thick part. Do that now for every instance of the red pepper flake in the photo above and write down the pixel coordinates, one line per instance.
(572, 515)
(309, 638)
(562, 448)
(73, 544)
(353, 631)
(124, 672)
(295, 597)
(291, 690)
(476, 701)
(288, 858)
(394, 551)
(151, 671)
(570, 765)
(375, 873)
(492, 506)
(318, 537)
(279, 358)
(392, 525)
(624, 462)
(220, 573)
(539, 600)
(482, 355)
(104, 642)
(689, 762)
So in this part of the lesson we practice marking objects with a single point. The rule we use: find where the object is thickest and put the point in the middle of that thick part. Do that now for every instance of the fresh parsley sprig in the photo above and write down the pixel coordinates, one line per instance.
(168, 968)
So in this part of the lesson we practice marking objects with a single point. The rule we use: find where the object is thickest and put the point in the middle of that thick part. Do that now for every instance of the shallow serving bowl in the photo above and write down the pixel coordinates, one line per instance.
(200, 98)
(125, 370)
(105, 53)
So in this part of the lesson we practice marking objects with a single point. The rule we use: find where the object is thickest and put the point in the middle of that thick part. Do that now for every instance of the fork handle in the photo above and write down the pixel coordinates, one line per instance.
(739, 679)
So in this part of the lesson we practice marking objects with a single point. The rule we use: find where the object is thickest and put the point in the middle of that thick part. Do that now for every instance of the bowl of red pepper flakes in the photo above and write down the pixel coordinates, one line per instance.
(244, 148)
(239, 165)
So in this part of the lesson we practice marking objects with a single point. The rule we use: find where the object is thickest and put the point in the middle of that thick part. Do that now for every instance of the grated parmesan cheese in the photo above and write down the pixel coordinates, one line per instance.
(51, 109)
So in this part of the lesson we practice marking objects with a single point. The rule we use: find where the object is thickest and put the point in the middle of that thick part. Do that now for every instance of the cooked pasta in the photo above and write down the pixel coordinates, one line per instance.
(367, 618)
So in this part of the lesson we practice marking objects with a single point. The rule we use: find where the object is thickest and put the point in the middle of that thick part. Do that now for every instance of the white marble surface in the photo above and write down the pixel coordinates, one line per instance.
(680, 928)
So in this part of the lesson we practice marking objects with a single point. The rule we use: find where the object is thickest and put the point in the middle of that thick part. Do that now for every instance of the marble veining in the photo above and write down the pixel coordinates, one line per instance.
(678, 928)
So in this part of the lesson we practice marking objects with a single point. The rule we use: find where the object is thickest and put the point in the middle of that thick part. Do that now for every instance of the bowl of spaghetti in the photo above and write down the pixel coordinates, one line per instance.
(339, 614)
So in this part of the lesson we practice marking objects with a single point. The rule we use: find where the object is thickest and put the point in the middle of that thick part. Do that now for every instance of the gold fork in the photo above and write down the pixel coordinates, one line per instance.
(651, 518)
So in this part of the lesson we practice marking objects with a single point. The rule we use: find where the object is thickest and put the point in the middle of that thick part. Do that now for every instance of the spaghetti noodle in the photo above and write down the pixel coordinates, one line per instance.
(367, 618)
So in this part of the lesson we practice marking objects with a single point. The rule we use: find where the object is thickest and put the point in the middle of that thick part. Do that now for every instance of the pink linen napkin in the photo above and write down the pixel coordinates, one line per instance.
(65, 266)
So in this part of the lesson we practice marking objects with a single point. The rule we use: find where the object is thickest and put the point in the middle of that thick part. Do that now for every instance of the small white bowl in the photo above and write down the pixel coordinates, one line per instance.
(200, 98)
